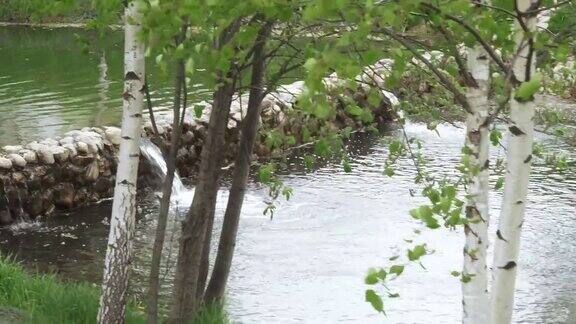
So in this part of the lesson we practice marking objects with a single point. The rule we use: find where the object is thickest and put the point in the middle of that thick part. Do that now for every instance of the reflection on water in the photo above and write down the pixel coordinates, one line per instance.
(50, 85)
(306, 265)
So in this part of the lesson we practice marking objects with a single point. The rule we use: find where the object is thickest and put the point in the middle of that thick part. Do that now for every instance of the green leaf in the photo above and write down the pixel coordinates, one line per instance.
(499, 183)
(265, 173)
(527, 89)
(198, 109)
(416, 253)
(346, 165)
(374, 300)
(371, 277)
(396, 269)
(495, 137)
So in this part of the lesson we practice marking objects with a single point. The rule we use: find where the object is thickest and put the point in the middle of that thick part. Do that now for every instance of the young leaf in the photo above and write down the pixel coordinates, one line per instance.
(374, 300)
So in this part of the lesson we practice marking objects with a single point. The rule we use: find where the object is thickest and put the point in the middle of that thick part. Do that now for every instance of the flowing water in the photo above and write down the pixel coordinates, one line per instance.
(307, 263)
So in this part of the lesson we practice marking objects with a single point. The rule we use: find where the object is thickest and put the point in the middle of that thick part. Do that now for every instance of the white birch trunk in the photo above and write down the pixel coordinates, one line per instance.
(475, 298)
(519, 156)
(117, 262)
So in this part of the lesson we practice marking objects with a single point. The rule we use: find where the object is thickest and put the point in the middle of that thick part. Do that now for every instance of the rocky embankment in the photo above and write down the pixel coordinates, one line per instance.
(79, 167)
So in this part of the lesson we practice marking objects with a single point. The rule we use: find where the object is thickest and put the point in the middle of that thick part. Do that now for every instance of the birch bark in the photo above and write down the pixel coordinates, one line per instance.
(118, 253)
(519, 156)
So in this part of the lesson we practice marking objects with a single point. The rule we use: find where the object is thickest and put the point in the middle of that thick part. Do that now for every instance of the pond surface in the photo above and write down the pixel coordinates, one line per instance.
(307, 263)
(51, 82)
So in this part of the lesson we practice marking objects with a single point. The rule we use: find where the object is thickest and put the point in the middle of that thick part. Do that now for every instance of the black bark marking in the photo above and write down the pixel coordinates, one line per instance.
(520, 225)
(486, 165)
(519, 202)
(509, 265)
(126, 183)
(137, 115)
(516, 131)
(127, 137)
(528, 159)
(134, 155)
(127, 96)
(131, 76)
(499, 235)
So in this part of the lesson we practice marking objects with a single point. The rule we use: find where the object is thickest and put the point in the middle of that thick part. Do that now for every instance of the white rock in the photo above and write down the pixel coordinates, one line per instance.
(5, 163)
(113, 134)
(29, 156)
(49, 142)
(98, 130)
(10, 149)
(60, 153)
(46, 155)
(17, 160)
(67, 140)
(160, 129)
(34, 146)
(82, 147)
(71, 150)
(73, 133)
(232, 124)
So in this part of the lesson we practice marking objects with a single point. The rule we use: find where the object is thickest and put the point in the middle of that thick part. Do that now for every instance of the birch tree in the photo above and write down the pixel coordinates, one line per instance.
(475, 298)
(519, 156)
(118, 253)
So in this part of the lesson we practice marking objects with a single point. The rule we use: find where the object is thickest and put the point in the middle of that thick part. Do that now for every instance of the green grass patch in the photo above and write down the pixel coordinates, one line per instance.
(27, 298)
(30, 298)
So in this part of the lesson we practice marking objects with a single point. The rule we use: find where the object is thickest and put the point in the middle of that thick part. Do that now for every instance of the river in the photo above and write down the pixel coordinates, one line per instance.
(307, 263)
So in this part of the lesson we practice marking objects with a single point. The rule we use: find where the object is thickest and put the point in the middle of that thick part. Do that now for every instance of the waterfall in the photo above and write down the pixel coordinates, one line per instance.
(153, 154)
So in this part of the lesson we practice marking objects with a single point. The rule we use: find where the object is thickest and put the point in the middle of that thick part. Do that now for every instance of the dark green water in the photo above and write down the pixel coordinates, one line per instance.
(50, 84)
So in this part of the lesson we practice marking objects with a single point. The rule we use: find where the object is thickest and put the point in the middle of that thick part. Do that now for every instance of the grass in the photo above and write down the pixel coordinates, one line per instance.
(45, 299)
(28, 298)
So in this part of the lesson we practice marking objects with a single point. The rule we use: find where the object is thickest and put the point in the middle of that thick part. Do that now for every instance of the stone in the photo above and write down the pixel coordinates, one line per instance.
(29, 156)
(92, 171)
(49, 142)
(66, 140)
(188, 137)
(5, 217)
(71, 172)
(35, 205)
(113, 134)
(61, 154)
(73, 133)
(161, 130)
(82, 160)
(34, 183)
(17, 160)
(5, 163)
(64, 195)
(71, 150)
(98, 130)
(18, 177)
(49, 180)
(103, 185)
(10, 149)
(45, 155)
(34, 146)
(82, 147)
(81, 196)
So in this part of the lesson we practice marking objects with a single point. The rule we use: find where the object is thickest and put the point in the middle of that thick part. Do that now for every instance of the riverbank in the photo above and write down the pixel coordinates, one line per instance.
(29, 298)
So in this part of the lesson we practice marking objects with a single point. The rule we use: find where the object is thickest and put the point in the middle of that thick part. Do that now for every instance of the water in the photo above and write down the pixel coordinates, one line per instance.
(51, 83)
(307, 263)
(153, 154)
